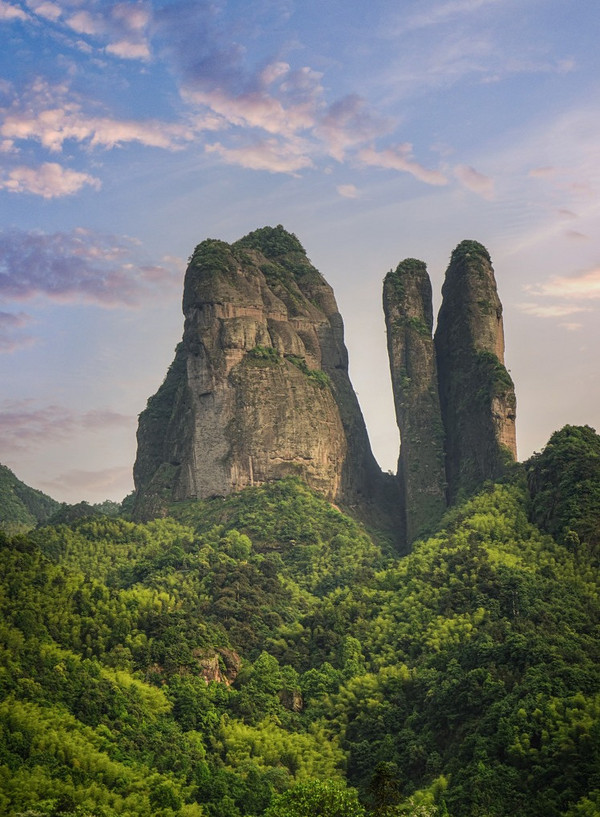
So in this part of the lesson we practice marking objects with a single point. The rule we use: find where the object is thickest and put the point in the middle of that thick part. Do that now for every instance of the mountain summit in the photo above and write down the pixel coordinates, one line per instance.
(259, 388)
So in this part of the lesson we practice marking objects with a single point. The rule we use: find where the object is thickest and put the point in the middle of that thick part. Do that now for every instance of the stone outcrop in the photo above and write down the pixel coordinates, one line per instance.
(408, 310)
(259, 386)
(477, 394)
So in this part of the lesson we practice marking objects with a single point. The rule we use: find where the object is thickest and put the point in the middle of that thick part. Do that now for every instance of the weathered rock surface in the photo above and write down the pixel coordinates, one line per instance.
(259, 387)
(477, 394)
(408, 310)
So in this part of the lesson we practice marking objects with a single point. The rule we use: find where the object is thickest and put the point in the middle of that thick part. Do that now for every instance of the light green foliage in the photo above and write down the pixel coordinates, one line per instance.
(462, 680)
(317, 799)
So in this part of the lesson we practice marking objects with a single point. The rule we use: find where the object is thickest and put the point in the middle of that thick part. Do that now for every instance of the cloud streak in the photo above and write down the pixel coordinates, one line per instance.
(400, 158)
(475, 181)
(80, 267)
(584, 285)
(25, 425)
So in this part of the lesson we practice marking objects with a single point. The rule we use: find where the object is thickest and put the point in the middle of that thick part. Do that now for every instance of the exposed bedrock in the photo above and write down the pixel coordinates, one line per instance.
(477, 395)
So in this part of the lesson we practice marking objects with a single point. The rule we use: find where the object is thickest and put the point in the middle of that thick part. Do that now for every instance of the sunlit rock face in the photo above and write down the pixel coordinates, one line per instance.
(407, 305)
(259, 387)
(477, 396)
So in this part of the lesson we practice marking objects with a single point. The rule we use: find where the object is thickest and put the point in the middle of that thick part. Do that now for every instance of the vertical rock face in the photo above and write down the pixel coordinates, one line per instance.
(477, 395)
(259, 387)
(409, 319)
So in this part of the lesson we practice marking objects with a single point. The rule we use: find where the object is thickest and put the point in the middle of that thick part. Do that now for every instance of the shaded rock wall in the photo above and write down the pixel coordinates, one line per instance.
(408, 310)
(477, 394)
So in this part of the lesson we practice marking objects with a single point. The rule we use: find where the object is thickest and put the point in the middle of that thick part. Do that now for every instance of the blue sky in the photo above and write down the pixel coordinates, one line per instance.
(131, 131)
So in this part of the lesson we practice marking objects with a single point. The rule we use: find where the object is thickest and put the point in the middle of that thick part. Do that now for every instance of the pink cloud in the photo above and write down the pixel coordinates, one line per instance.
(348, 191)
(400, 158)
(81, 266)
(348, 123)
(268, 154)
(543, 172)
(50, 180)
(475, 181)
(11, 337)
(47, 10)
(129, 50)
(82, 22)
(50, 116)
(8, 12)
(584, 285)
(24, 425)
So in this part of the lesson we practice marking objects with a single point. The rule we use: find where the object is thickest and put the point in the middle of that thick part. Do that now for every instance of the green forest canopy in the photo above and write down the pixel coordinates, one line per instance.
(259, 654)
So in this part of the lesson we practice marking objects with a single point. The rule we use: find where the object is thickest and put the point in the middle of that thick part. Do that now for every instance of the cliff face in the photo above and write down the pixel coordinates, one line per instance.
(408, 313)
(477, 394)
(259, 387)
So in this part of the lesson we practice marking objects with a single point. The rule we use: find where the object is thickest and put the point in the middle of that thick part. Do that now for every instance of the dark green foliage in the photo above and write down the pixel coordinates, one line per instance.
(259, 656)
(212, 255)
(470, 250)
(21, 507)
(272, 242)
(564, 485)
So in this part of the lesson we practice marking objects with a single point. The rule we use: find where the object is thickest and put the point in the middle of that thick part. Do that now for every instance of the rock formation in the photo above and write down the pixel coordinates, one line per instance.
(259, 387)
(477, 395)
(408, 313)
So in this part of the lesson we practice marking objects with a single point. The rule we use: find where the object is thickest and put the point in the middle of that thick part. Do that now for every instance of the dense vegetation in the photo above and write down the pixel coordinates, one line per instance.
(260, 655)
(22, 507)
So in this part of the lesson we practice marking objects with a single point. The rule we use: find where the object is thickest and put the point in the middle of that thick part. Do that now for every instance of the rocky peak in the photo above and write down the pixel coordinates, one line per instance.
(408, 310)
(259, 387)
(477, 395)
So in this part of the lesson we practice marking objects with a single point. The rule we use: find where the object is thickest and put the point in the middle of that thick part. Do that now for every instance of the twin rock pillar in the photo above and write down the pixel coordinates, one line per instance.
(455, 401)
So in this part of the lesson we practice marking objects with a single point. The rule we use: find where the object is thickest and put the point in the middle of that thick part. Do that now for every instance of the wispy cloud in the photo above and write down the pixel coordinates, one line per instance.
(9, 12)
(80, 266)
(583, 285)
(350, 122)
(50, 180)
(11, 336)
(347, 191)
(51, 115)
(475, 181)
(401, 158)
(274, 155)
(431, 14)
(550, 311)
(25, 424)
(122, 29)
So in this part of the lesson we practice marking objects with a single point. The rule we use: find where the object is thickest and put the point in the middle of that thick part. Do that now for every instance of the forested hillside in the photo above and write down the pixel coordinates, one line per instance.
(22, 507)
(259, 654)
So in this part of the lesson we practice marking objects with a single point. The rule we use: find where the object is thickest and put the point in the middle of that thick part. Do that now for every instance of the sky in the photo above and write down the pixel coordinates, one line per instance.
(132, 131)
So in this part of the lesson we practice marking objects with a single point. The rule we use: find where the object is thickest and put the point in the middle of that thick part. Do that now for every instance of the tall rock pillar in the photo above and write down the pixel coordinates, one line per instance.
(409, 318)
(477, 395)
(259, 387)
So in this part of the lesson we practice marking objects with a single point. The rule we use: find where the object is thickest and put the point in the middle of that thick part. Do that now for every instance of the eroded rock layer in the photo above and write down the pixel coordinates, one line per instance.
(477, 394)
(259, 387)
(408, 313)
